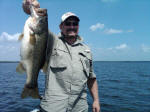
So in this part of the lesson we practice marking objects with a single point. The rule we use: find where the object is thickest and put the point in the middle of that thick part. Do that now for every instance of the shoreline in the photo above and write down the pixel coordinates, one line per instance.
(9, 61)
(93, 61)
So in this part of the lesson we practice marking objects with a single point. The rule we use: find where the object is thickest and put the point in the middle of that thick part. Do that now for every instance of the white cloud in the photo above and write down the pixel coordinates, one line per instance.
(109, 30)
(7, 37)
(9, 47)
(145, 48)
(113, 49)
(113, 31)
(110, 48)
(10, 51)
(97, 26)
(119, 47)
(122, 46)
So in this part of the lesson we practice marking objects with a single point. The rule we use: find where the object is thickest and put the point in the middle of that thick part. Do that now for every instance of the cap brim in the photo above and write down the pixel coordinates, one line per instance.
(72, 16)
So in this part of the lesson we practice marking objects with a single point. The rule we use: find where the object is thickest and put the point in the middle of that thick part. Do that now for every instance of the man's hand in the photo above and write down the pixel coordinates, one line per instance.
(96, 106)
(26, 5)
(93, 87)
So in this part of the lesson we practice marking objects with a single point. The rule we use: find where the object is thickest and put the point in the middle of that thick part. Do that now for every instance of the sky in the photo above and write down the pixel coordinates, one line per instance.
(115, 30)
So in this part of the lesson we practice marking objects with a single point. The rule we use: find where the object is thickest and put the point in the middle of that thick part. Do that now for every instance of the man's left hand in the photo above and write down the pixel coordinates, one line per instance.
(96, 106)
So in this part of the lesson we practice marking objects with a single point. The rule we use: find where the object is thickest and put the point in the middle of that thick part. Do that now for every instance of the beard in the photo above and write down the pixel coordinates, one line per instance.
(70, 33)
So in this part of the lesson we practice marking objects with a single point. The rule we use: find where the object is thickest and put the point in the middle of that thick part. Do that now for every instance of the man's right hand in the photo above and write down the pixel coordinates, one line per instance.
(26, 5)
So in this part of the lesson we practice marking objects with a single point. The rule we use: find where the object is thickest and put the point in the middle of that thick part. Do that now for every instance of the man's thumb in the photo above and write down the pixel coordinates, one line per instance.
(93, 110)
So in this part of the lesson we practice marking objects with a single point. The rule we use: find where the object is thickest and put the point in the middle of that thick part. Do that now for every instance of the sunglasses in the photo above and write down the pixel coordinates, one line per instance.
(71, 23)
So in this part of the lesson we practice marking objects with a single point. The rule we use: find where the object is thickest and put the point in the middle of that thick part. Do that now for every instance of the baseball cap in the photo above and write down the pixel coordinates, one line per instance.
(67, 15)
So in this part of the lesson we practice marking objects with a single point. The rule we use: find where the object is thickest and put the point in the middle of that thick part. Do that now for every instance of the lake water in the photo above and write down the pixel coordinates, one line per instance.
(123, 87)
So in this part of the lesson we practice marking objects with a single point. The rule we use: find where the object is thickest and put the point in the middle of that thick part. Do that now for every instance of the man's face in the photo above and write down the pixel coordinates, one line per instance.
(70, 27)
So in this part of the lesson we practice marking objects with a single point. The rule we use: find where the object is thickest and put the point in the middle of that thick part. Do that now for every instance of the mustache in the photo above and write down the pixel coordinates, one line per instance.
(68, 30)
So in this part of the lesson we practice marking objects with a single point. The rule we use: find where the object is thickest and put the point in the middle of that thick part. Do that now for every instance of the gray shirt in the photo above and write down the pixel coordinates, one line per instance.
(69, 68)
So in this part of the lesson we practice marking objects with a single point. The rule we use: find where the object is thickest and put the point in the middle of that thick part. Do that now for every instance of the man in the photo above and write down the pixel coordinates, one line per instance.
(69, 69)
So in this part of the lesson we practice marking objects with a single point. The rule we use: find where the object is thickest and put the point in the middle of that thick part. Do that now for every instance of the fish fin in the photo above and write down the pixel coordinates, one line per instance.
(45, 67)
(30, 92)
(32, 39)
(20, 69)
(21, 36)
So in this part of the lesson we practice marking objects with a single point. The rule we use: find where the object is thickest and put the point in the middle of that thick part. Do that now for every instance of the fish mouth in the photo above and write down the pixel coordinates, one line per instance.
(41, 11)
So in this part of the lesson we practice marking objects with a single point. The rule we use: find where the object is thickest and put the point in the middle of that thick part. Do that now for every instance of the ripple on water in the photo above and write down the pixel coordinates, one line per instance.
(123, 87)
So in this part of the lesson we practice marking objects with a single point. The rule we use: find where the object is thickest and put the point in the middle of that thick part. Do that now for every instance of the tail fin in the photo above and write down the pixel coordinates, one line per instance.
(30, 92)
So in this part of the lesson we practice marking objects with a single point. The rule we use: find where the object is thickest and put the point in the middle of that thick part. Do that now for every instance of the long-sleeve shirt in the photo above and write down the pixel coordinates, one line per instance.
(69, 68)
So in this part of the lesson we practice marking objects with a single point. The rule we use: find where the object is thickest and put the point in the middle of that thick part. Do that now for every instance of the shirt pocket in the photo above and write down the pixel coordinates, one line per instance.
(85, 59)
(58, 60)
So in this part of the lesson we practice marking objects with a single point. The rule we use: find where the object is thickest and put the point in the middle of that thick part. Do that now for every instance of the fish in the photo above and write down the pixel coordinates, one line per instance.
(33, 51)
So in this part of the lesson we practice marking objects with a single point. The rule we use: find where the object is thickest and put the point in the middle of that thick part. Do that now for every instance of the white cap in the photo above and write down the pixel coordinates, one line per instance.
(67, 15)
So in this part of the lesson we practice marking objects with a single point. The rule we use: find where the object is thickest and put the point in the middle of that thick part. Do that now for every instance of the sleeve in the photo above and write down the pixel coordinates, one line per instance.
(91, 73)
(89, 57)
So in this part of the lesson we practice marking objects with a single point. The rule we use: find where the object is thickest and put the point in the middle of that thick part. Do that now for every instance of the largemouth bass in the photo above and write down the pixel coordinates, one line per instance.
(33, 51)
